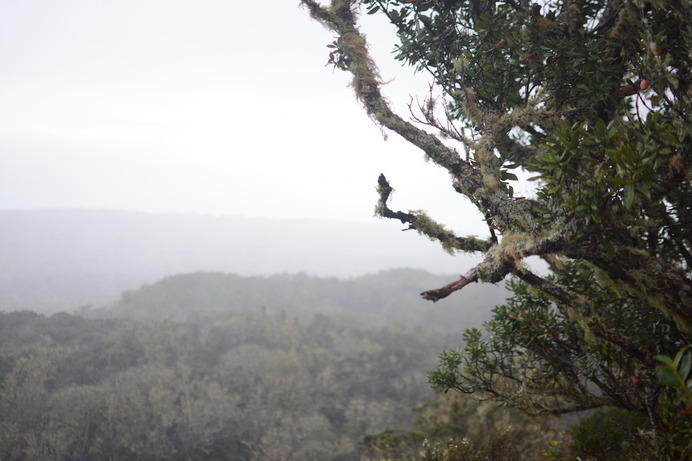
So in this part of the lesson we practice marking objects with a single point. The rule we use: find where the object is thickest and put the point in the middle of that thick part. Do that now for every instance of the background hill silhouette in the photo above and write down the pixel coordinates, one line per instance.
(62, 259)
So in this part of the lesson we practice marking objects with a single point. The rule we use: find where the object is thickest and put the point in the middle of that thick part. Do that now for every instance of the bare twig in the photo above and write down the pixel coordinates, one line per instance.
(440, 293)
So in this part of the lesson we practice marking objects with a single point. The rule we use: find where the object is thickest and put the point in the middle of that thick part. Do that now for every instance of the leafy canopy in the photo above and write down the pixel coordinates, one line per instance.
(593, 99)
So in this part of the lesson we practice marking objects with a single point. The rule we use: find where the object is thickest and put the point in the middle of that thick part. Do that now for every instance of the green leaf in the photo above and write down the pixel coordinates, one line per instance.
(678, 356)
(600, 130)
(668, 377)
(629, 196)
(665, 359)
(685, 366)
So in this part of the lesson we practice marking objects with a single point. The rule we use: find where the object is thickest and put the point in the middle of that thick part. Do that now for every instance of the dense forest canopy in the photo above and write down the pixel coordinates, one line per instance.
(213, 380)
(231, 386)
(593, 100)
(219, 366)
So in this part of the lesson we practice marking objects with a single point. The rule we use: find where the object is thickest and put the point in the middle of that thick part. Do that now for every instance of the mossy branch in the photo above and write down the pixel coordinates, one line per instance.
(664, 286)
(440, 293)
(491, 270)
(420, 222)
(479, 184)
(506, 257)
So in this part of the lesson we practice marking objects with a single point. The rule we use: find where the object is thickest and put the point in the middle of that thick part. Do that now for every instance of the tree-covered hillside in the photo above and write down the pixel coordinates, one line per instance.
(387, 297)
(255, 384)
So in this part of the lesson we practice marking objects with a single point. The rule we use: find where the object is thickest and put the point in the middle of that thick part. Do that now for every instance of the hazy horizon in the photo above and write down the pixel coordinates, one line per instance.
(77, 257)
(212, 108)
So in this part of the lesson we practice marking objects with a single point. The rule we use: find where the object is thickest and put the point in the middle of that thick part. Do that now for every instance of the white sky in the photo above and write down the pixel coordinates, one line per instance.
(208, 106)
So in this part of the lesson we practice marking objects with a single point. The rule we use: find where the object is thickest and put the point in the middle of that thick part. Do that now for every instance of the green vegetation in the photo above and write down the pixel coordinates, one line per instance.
(456, 427)
(232, 386)
(183, 370)
(593, 100)
(218, 366)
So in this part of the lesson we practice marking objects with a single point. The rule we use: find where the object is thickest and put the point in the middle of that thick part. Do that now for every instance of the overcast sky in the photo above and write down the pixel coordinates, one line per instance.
(207, 106)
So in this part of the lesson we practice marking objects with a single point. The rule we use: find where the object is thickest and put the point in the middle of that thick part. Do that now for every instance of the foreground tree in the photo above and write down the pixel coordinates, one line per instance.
(594, 99)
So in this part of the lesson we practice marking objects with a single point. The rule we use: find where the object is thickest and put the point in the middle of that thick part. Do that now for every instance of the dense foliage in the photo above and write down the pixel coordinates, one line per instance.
(459, 428)
(233, 386)
(456, 427)
(593, 100)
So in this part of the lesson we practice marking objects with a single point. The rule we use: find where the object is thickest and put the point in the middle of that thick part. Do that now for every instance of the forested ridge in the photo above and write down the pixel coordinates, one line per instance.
(211, 366)
(219, 366)
(383, 298)
(58, 260)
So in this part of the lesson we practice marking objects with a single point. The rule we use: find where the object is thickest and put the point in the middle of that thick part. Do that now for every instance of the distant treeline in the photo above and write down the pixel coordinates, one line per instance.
(389, 297)
(231, 386)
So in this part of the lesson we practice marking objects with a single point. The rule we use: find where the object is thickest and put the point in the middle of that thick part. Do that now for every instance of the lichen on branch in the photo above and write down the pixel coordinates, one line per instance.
(424, 225)
(478, 184)
(540, 87)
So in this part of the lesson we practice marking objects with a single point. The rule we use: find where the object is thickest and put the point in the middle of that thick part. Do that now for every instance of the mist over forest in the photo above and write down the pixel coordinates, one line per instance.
(186, 337)
(142, 336)
(560, 132)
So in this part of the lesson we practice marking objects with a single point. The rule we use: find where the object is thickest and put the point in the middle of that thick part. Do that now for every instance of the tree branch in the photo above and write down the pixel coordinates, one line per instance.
(505, 257)
(420, 222)
(440, 293)
(664, 286)
(480, 185)
(490, 270)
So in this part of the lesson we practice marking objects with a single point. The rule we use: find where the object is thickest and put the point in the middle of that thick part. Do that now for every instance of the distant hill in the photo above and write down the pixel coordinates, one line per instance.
(390, 297)
(55, 260)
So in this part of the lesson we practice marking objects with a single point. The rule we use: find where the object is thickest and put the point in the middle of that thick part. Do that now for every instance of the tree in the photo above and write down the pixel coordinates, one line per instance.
(593, 100)
(23, 399)
(457, 427)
